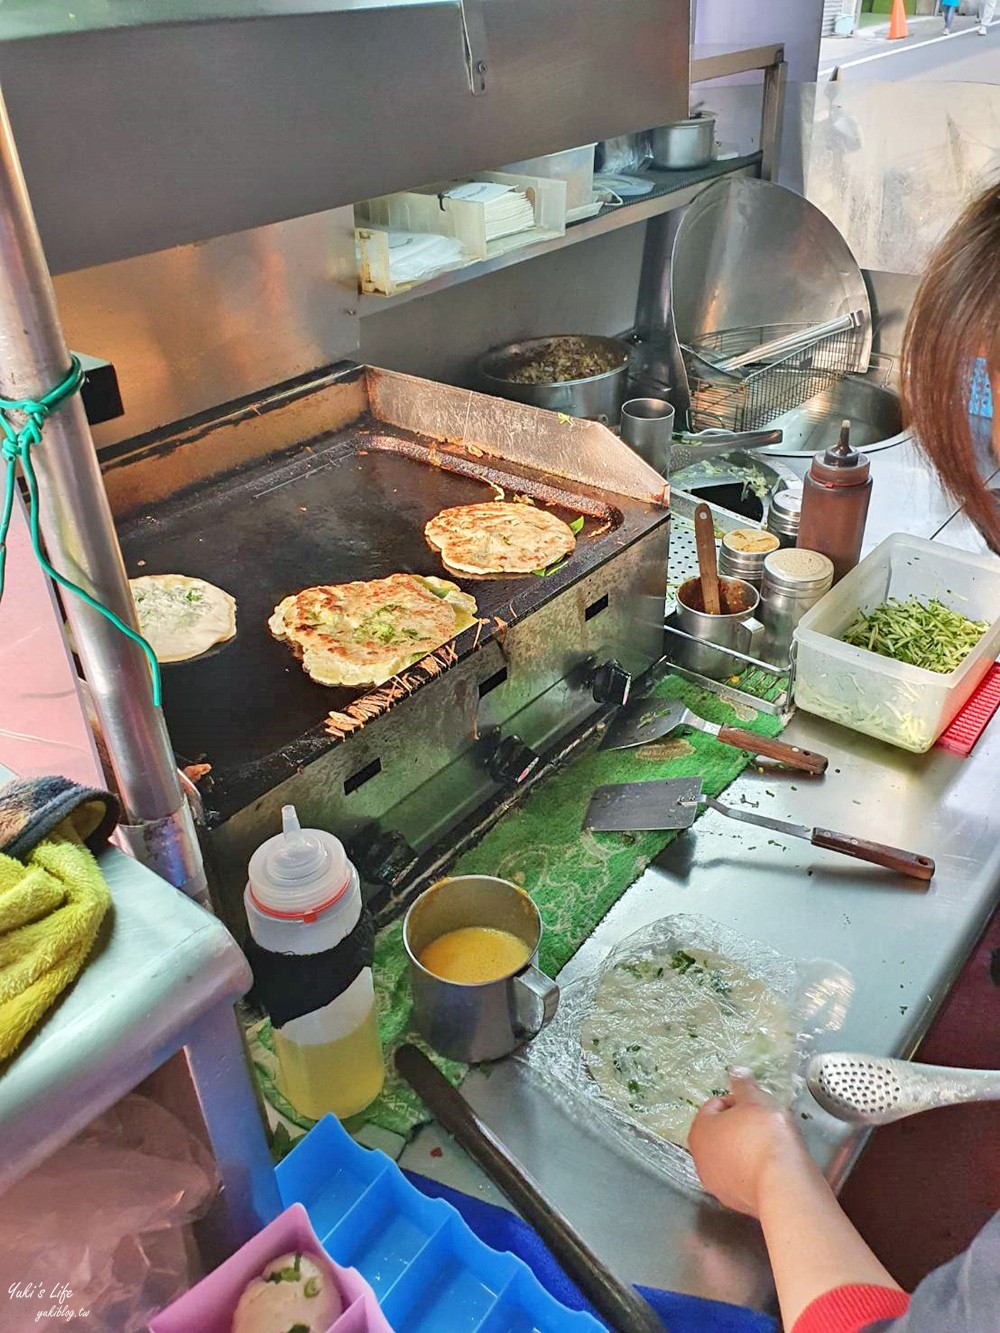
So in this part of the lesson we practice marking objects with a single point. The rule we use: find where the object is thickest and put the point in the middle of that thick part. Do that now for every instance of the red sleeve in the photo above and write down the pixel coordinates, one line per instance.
(851, 1309)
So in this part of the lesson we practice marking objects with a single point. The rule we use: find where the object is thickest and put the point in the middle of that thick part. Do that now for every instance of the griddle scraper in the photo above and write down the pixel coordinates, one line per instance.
(674, 803)
(647, 720)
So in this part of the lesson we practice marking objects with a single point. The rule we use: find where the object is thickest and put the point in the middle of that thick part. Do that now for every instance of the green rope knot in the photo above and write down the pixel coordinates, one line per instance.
(20, 435)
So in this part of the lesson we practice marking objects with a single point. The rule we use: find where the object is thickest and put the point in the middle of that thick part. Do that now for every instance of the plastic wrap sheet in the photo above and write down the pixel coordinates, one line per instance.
(892, 165)
(638, 1045)
(98, 1235)
(625, 153)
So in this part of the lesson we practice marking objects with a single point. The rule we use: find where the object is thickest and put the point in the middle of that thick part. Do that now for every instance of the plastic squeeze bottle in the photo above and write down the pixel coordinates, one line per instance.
(311, 950)
(835, 497)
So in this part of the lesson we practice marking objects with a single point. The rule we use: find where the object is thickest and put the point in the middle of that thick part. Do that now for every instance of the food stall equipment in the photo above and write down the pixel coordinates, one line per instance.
(229, 156)
(863, 1090)
(726, 300)
(391, 770)
(76, 522)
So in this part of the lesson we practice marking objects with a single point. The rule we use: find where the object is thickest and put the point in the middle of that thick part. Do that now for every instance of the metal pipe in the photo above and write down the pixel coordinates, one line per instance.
(772, 118)
(81, 541)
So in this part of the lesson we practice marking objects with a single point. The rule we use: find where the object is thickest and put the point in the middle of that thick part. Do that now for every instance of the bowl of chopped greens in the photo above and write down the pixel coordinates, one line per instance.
(898, 646)
(581, 375)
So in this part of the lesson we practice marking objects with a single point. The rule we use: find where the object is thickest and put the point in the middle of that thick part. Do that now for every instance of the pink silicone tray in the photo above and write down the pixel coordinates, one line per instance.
(209, 1307)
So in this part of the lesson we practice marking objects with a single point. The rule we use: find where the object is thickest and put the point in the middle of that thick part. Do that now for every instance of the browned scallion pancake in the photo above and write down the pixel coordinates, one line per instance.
(365, 633)
(498, 539)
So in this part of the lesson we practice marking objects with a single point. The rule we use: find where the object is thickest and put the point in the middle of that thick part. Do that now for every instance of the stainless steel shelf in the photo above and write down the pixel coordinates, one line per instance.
(719, 62)
(672, 189)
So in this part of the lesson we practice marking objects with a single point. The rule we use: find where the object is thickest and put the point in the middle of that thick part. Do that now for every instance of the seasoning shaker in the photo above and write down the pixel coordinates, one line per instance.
(794, 580)
(835, 499)
(742, 552)
(783, 514)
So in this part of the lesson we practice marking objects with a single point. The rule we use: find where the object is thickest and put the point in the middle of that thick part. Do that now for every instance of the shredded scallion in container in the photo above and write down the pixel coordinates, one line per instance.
(928, 635)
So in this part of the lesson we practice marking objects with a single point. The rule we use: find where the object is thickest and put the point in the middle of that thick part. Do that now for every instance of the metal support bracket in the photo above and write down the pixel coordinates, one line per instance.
(772, 117)
(474, 37)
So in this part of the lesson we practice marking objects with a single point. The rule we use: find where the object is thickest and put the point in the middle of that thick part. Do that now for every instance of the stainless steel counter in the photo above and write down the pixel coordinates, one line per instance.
(903, 945)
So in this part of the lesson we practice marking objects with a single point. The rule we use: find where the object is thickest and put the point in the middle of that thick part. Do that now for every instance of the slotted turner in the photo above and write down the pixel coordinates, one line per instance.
(673, 804)
(650, 720)
(867, 1090)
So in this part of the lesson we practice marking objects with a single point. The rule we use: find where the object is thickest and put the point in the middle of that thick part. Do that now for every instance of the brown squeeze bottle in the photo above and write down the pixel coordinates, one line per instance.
(835, 497)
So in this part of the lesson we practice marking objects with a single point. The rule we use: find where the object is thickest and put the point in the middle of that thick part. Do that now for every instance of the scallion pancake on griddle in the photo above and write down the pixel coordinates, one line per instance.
(182, 617)
(498, 539)
(364, 633)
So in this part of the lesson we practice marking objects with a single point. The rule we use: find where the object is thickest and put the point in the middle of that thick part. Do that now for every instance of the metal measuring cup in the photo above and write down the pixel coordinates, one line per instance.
(480, 1020)
(736, 629)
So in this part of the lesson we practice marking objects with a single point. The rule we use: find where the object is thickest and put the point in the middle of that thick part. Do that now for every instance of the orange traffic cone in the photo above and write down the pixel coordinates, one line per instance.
(897, 24)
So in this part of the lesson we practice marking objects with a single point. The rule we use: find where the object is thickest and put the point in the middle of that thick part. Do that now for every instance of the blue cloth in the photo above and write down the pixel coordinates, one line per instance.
(504, 1230)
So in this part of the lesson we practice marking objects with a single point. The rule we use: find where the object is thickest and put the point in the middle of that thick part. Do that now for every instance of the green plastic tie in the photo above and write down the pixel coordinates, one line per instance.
(15, 447)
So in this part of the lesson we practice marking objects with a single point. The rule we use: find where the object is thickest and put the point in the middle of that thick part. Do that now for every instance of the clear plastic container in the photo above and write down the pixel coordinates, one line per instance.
(575, 166)
(905, 705)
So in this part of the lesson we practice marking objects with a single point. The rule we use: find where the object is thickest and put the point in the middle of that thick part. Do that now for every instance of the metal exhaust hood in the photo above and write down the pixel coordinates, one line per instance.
(140, 129)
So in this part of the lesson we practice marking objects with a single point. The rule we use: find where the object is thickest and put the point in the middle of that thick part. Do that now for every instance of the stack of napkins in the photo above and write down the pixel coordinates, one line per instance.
(507, 210)
(415, 256)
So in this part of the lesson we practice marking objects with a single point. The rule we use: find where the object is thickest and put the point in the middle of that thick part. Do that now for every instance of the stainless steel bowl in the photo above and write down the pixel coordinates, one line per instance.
(684, 143)
(873, 409)
(597, 397)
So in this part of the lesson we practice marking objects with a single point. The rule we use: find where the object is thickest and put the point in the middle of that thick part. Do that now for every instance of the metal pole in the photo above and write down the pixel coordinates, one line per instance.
(80, 537)
(772, 118)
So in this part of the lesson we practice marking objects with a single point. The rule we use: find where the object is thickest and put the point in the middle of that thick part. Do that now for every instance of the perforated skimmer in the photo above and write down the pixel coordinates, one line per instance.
(866, 1090)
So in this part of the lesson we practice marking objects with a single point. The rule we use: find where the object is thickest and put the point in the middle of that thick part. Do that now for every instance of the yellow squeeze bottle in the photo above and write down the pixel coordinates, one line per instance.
(303, 898)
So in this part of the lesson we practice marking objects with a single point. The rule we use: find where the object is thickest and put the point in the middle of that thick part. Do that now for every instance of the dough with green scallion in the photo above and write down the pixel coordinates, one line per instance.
(666, 1029)
(182, 617)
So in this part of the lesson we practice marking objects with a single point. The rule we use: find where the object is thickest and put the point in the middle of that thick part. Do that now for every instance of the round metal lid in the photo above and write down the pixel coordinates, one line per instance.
(795, 570)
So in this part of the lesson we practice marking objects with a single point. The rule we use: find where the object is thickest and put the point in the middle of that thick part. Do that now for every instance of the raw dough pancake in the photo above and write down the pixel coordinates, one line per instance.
(182, 617)
(364, 633)
(666, 1029)
(498, 538)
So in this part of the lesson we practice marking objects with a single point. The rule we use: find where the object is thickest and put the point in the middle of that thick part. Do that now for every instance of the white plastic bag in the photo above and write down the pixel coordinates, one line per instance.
(101, 1229)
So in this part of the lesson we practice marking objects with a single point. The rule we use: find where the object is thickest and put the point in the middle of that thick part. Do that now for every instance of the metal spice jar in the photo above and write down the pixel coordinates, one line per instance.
(742, 552)
(794, 580)
(783, 514)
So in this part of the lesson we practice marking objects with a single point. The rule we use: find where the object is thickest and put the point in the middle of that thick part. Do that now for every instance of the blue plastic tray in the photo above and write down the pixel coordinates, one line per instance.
(429, 1272)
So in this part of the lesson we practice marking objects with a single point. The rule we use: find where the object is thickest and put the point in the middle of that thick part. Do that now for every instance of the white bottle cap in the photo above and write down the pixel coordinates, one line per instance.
(299, 873)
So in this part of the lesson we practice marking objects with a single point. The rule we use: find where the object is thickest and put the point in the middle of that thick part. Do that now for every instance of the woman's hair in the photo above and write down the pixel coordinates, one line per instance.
(955, 319)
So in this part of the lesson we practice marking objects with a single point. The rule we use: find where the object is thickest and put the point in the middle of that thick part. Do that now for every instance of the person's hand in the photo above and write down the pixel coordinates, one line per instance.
(738, 1139)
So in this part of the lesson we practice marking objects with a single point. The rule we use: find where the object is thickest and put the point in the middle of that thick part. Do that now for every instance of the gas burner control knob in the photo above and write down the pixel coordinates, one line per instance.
(511, 761)
(611, 683)
(382, 858)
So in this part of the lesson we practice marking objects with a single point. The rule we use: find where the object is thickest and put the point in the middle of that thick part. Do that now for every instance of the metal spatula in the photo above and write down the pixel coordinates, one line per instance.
(651, 719)
(867, 1090)
(673, 804)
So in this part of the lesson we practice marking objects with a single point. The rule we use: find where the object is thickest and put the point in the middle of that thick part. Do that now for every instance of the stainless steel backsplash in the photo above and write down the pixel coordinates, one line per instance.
(199, 325)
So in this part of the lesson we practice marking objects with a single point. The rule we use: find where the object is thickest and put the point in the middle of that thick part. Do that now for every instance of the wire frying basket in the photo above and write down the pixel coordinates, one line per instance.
(762, 394)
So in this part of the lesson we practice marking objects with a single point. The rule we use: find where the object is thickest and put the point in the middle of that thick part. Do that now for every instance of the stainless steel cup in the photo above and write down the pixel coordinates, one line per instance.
(647, 426)
(490, 1019)
(736, 628)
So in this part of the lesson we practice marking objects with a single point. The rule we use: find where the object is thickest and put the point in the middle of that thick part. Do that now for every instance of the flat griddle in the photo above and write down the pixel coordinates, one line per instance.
(351, 505)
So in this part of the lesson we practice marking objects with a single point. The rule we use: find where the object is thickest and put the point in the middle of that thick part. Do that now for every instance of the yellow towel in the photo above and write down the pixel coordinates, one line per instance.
(51, 906)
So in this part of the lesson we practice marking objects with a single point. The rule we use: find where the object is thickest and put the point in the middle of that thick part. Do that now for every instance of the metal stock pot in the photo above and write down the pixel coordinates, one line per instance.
(598, 397)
